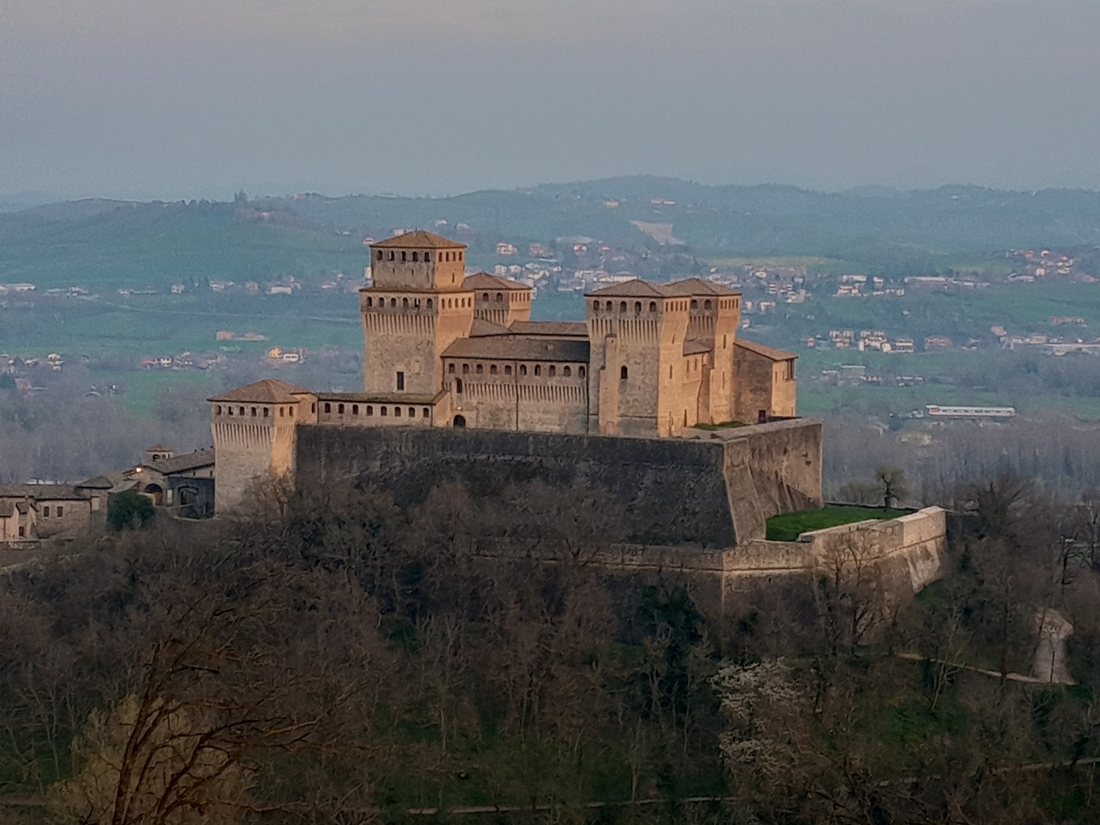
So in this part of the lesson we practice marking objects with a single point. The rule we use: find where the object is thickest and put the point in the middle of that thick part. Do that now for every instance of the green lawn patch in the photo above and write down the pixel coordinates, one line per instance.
(725, 425)
(789, 526)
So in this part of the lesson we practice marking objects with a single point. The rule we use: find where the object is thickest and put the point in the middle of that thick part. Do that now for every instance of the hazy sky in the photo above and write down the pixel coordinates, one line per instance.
(193, 98)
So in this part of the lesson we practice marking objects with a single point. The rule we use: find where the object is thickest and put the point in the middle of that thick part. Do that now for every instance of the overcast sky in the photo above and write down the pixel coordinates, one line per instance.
(198, 98)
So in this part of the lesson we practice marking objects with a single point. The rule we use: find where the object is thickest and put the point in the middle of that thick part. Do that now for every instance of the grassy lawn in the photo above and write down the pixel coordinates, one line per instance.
(789, 526)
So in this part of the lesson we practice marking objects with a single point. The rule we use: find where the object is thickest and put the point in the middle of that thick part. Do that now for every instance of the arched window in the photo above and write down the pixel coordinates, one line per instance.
(218, 410)
(609, 306)
(230, 410)
(397, 412)
(429, 303)
(553, 370)
(415, 257)
(522, 369)
(706, 304)
(240, 410)
(383, 410)
(652, 306)
(427, 256)
(485, 296)
(492, 369)
(694, 304)
(460, 256)
(479, 369)
(291, 412)
(253, 412)
(567, 372)
(379, 254)
(451, 368)
(460, 421)
(355, 409)
(405, 303)
(412, 412)
(370, 409)
(403, 255)
(391, 256)
(427, 412)
(267, 412)
(538, 369)
(637, 307)
(282, 412)
(623, 373)
(507, 369)
(580, 372)
(393, 302)
(339, 409)
(465, 369)
(500, 297)
(370, 302)
(596, 306)
(328, 407)
(622, 306)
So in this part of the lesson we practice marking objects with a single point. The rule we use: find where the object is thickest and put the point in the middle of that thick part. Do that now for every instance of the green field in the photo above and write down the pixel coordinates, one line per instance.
(789, 526)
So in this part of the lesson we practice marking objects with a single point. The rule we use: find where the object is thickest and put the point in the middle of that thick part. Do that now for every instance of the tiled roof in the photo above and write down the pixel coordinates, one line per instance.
(519, 348)
(572, 329)
(696, 347)
(49, 492)
(697, 286)
(267, 391)
(418, 239)
(770, 353)
(636, 288)
(481, 328)
(97, 483)
(483, 280)
(185, 462)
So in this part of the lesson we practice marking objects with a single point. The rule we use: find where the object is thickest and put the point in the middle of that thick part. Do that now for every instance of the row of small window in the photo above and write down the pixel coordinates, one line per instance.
(254, 411)
(426, 412)
(445, 303)
(60, 511)
(610, 305)
(443, 256)
(552, 370)
(500, 297)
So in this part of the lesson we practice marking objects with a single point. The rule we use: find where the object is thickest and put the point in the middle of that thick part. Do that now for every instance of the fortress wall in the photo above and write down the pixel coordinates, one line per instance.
(672, 492)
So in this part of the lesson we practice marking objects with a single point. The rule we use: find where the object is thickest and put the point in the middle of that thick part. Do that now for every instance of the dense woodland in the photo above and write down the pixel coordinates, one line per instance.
(333, 659)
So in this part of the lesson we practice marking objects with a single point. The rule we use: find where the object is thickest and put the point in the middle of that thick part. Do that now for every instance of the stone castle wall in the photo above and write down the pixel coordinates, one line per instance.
(673, 492)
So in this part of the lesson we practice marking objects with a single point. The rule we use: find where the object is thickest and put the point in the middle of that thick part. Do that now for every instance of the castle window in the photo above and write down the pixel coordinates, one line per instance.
(391, 256)
(412, 412)
(596, 306)
(253, 412)
(609, 306)
(384, 410)
(379, 254)
(22, 530)
(522, 369)
(538, 369)
(282, 412)
(60, 511)
(427, 256)
(404, 303)
(46, 511)
(328, 407)
(397, 412)
(370, 410)
(465, 369)
(240, 410)
(485, 296)
(458, 386)
(492, 369)
(403, 258)
(724, 342)
(267, 412)
(480, 369)
(507, 369)
(400, 380)
(451, 368)
(622, 306)
(429, 303)
(652, 306)
(789, 373)
(500, 297)
(460, 256)
(218, 410)
(623, 373)
(415, 257)
(393, 302)
(291, 412)
(580, 372)
(229, 410)
(553, 370)
(706, 304)
(339, 409)
(567, 372)
(694, 304)
(416, 303)
(370, 302)
(427, 412)
(637, 307)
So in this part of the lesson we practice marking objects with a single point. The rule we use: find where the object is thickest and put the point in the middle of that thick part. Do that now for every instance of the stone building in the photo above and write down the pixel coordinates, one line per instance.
(447, 349)
(32, 512)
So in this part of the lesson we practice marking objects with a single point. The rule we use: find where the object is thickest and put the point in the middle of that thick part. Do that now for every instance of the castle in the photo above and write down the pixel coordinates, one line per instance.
(447, 349)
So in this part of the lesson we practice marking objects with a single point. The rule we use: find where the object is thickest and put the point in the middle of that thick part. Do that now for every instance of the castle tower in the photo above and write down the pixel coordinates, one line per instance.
(714, 317)
(415, 308)
(499, 300)
(636, 337)
(254, 436)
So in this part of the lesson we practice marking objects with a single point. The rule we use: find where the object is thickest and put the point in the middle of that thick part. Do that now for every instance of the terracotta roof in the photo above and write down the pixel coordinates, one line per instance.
(97, 483)
(483, 280)
(418, 239)
(697, 286)
(571, 329)
(187, 461)
(770, 353)
(267, 391)
(482, 328)
(629, 289)
(519, 348)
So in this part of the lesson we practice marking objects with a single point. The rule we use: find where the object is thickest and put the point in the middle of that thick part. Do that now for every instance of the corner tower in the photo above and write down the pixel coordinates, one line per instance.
(416, 306)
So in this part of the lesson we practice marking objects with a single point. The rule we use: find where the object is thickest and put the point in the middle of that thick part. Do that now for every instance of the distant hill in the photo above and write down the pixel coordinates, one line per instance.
(103, 243)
